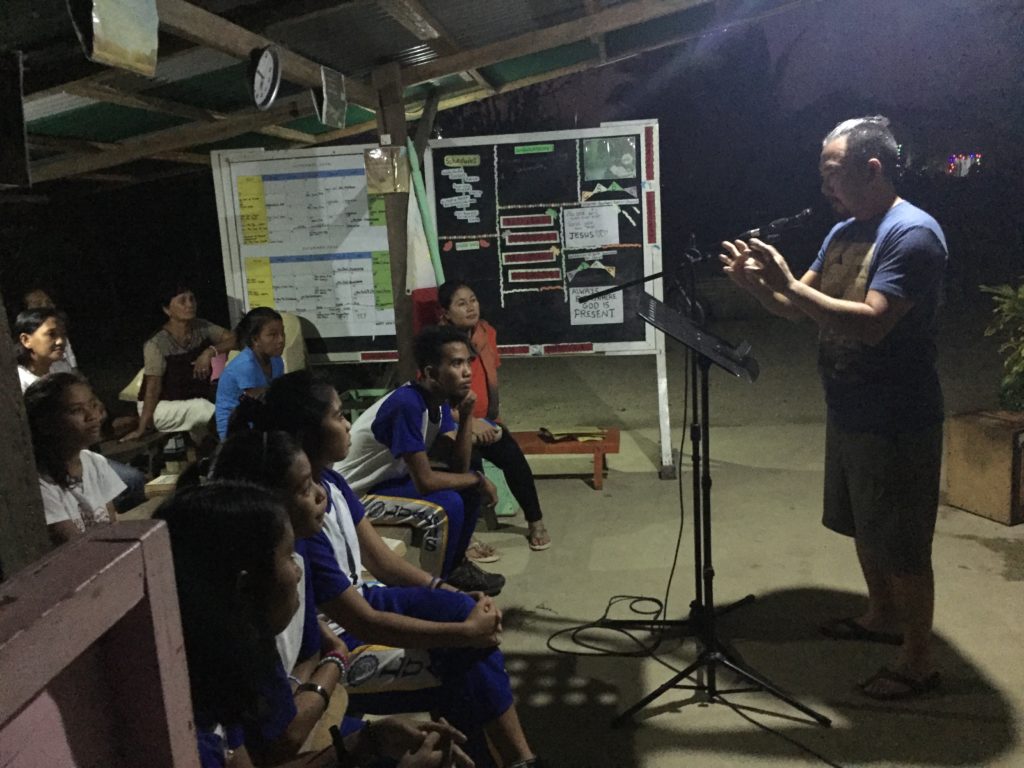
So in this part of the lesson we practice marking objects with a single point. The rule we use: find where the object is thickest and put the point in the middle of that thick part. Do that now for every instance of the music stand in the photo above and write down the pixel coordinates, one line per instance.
(707, 349)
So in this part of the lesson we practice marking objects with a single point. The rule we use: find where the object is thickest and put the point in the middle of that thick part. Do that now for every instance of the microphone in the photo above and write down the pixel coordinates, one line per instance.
(779, 225)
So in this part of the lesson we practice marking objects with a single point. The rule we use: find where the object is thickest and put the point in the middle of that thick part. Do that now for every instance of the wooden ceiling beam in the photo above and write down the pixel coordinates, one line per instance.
(173, 139)
(110, 178)
(289, 134)
(126, 82)
(608, 20)
(149, 103)
(70, 144)
(143, 101)
(185, 158)
(67, 143)
(199, 26)
(598, 40)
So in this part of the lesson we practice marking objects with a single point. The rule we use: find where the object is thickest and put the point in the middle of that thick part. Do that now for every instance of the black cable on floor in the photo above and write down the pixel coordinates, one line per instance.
(679, 478)
(595, 650)
(659, 608)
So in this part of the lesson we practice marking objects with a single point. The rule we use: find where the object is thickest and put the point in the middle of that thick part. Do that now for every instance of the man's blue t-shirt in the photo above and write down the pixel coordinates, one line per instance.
(398, 424)
(892, 386)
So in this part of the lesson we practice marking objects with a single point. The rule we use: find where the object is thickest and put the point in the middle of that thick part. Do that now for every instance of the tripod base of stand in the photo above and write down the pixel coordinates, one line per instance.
(711, 659)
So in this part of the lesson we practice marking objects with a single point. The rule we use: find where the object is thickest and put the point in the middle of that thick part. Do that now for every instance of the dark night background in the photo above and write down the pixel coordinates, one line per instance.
(742, 112)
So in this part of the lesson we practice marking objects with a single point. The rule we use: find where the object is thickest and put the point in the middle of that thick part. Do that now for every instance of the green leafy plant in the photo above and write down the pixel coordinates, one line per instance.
(1008, 323)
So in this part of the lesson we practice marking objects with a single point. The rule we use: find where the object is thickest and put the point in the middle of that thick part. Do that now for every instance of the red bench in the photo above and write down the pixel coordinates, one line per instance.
(532, 445)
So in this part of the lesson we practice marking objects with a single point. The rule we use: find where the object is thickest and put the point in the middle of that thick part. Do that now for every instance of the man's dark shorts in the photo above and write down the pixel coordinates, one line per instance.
(884, 491)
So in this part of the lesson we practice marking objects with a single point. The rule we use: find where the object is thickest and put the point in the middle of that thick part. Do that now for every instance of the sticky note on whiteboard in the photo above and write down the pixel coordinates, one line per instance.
(606, 310)
(259, 282)
(591, 226)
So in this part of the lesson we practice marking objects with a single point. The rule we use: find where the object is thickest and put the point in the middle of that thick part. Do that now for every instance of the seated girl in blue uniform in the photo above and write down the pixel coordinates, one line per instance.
(260, 335)
(234, 600)
(463, 674)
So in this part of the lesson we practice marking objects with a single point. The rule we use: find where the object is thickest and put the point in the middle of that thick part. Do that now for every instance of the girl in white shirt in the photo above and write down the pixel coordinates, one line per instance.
(77, 485)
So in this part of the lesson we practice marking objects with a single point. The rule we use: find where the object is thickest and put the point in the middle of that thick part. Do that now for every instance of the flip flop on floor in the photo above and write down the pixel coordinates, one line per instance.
(479, 552)
(851, 629)
(908, 687)
(538, 537)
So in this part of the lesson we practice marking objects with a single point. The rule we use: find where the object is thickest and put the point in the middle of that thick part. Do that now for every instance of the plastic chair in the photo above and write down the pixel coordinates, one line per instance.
(507, 505)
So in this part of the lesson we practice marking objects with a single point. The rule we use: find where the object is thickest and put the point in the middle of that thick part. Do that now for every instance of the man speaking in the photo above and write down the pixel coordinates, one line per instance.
(873, 292)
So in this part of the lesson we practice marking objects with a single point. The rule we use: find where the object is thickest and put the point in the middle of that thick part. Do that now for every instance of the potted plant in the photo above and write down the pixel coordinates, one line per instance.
(1008, 323)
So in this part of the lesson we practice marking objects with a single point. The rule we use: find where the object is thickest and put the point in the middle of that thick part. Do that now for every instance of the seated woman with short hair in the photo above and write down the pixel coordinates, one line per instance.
(176, 389)
(40, 340)
(37, 298)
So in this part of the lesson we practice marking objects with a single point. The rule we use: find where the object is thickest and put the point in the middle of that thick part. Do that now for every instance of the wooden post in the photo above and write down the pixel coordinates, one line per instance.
(387, 79)
(23, 539)
(425, 126)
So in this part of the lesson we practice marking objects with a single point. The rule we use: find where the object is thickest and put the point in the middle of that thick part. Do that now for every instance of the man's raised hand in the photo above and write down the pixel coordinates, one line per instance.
(733, 259)
(768, 266)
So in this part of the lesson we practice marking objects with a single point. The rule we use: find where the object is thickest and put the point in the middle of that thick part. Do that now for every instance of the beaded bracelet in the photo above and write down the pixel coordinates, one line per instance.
(337, 660)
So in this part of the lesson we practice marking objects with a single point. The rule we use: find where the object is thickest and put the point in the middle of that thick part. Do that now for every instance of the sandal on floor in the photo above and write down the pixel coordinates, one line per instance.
(910, 687)
(538, 537)
(479, 552)
(851, 629)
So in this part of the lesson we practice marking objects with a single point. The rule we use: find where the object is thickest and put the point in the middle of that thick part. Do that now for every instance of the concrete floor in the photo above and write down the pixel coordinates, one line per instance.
(766, 445)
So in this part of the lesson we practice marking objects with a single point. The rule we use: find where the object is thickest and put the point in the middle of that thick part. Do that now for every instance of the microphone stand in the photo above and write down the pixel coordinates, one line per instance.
(701, 622)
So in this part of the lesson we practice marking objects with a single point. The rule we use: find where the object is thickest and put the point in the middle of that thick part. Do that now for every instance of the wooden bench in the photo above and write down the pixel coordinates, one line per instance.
(151, 444)
(532, 445)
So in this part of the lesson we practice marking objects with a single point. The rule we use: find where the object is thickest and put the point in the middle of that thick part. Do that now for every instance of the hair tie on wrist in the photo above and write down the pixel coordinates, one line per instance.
(315, 688)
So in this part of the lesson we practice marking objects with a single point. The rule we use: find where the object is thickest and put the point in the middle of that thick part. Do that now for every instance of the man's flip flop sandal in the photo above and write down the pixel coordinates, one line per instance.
(910, 687)
(541, 532)
(479, 552)
(849, 629)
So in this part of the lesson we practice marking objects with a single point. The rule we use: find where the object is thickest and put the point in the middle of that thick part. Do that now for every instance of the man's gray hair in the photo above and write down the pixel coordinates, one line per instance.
(868, 137)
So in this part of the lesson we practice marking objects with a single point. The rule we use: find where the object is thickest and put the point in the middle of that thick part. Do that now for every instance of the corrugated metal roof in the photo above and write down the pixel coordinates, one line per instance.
(510, 70)
(690, 21)
(352, 38)
(472, 24)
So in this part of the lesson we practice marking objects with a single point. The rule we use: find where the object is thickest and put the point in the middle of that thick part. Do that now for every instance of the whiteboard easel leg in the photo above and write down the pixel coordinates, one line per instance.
(667, 471)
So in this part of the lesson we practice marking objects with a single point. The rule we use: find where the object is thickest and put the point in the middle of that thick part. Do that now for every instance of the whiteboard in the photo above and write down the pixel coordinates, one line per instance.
(299, 233)
(535, 221)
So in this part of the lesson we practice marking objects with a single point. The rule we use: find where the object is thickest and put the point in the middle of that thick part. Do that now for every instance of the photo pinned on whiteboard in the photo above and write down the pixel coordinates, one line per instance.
(612, 157)
(606, 310)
